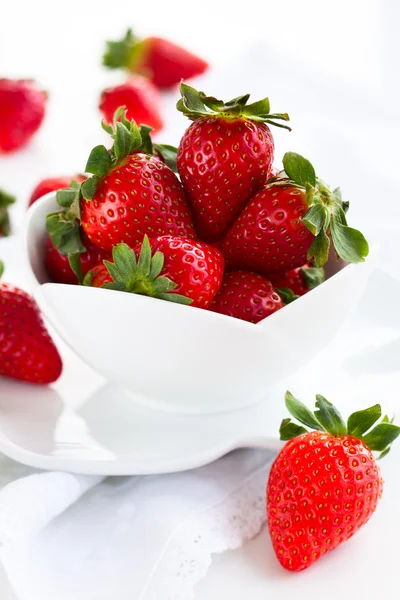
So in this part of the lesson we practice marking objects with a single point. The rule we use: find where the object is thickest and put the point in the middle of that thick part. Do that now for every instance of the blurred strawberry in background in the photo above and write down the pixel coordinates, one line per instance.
(140, 98)
(52, 184)
(159, 60)
(22, 110)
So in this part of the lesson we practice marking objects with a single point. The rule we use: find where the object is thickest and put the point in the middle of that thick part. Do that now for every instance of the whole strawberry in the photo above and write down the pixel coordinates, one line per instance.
(247, 296)
(5, 202)
(132, 192)
(22, 109)
(290, 221)
(161, 61)
(300, 280)
(139, 97)
(167, 267)
(58, 266)
(224, 157)
(325, 484)
(52, 184)
(27, 351)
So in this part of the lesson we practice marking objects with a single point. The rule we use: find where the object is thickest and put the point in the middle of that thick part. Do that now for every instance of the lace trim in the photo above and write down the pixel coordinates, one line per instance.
(226, 526)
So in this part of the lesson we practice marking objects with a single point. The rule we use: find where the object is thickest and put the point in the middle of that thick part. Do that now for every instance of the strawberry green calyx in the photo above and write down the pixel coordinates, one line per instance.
(326, 215)
(287, 295)
(141, 276)
(194, 105)
(5, 201)
(361, 424)
(125, 53)
(313, 276)
(1, 268)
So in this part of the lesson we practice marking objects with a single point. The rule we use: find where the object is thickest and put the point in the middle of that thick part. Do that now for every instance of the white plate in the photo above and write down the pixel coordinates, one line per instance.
(84, 425)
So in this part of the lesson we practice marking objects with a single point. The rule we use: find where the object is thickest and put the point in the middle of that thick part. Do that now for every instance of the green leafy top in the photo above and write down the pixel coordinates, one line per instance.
(140, 276)
(126, 53)
(1, 268)
(194, 105)
(64, 226)
(327, 418)
(5, 201)
(326, 215)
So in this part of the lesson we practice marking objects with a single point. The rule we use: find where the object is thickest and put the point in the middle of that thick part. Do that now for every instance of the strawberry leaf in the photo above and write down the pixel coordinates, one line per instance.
(76, 266)
(319, 249)
(359, 422)
(300, 412)
(329, 417)
(99, 162)
(349, 243)
(287, 295)
(64, 233)
(289, 430)
(168, 154)
(66, 196)
(313, 276)
(5, 202)
(381, 436)
(299, 169)
(121, 53)
(1, 268)
(316, 218)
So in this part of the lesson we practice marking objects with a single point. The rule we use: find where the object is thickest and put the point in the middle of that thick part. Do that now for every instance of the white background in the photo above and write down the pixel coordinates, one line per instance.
(332, 65)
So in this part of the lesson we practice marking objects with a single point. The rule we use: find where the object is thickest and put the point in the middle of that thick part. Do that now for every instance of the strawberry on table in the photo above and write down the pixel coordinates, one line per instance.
(139, 97)
(27, 351)
(325, 484)
(300, 280)
(22, 110)
(5, 202)
(290, 221)
(224, 157)
(52, 184)
(167, 267)
(247, 296)
(161, 61)
(132, 192)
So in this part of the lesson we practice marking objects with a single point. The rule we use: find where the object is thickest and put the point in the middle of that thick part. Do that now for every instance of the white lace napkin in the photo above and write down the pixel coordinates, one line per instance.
(67, 537)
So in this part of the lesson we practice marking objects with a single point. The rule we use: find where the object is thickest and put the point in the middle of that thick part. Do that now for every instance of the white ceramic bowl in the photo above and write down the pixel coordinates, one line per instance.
(181, 358)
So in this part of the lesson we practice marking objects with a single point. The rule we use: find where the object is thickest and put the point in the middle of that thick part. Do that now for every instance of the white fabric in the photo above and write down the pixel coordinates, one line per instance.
(67, 537)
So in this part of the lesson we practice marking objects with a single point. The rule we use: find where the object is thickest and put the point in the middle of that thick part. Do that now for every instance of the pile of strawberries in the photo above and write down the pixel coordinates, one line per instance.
(230, 234)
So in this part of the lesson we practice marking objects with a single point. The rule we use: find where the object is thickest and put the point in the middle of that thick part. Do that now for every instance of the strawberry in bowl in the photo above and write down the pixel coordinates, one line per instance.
(170, 315)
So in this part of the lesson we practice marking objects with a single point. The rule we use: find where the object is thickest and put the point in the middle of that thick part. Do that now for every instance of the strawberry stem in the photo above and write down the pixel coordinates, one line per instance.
(5, 201)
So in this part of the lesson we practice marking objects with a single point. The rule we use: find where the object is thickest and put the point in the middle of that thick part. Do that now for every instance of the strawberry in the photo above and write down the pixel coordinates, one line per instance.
(22, 109)
(131, 193)
(139, 97)
(160, 60)
(5, 201)
(167, 267)
(291, 221)
(27, 351)
(52, 184)
(300, 280)
(247, 296)
(224, 157)
(98, 276)
(59, 268)
(325, 484)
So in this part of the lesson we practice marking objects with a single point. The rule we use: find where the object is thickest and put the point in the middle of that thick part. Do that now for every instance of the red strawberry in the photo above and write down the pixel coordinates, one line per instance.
(59, 268)
(300, 280)
(131, 193)
(224, 157)
(160, 60)
(52, 184)
(22, 108)
(27, 351)
(5, 201)
(247, 296)
(167, 267)
(291, 221)
(324, 485)
(139, 97)
(98, 276)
